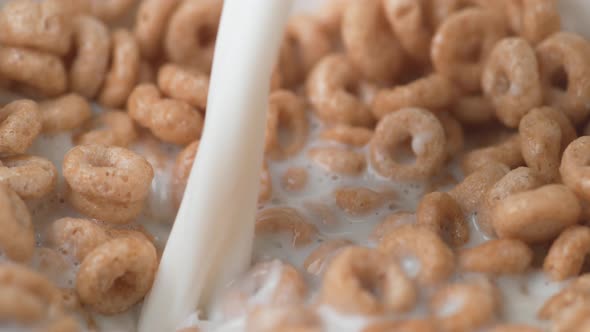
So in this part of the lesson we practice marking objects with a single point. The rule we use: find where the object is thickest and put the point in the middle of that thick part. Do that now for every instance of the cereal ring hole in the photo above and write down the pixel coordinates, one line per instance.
(559, 79)
(411, 265)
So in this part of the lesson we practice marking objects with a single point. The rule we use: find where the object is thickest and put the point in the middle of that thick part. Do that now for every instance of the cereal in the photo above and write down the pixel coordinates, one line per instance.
(390, 222)
(17, 239)
(511, 80)
(76, 237)
(52, 264)
(507, 151)
(473, 110)
(147, 73)
(281, 219)
(338, 160)
(499, 256)
(108, 128)
(117, 274)
(294, 179)
(64, 113)
(533, 20)
(567, 253)
(427, 142)
(109, 10)
(150, 25)
(573, 167)
(184, 84)
(453, 134)
(330, 15)
(332, 88)
(441, 213)
(348, 135)
(514, 328)
(322, 255)
(182, 168)
(29, 176)
(576, 292)
(412, 26)
(410, 325)
(360, 201)
(470, 192)
(286, 112)
(140, 101)
(287, 318)
(20, 123)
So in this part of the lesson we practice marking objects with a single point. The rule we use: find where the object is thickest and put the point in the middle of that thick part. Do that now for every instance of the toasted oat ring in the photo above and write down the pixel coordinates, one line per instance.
(536, 215)
(390, 222)
(360, 201)
(410, 325)
(462, 43)
(287, 112)
(564, 64)
(427, 141)
(294, 179)
(147, 73)
(108, 128)
(117, 274)
(410, 21)
(110, 10)
(331, 87)
(184, 84)
(473, 110)
(574, 293)
(76, 237)
(507, 152)
(280, 219)
(103, 209)
(348, 135)
(140, 101)
(453, 133)
(567, 253)
(29, 176)
(351, 277)
(192, 29)
(17, 239)
(435, 257)
(150, 25)
(498, 256)
(20, 123)
(271, 318)
(330, 15)
(470, 192)
(64, 113)
(317, 261)
(511, 80)
(533, 20)
(182, 168)
(573, 169)
(441, 213)
(514, 328)
(338, 160)
(175, 121)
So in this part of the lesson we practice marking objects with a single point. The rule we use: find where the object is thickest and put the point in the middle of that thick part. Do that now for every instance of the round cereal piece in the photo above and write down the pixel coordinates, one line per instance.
(184, 84)
(110, 10)
(574, 293)
(453, 134)
(534, 20)
(567, 253)
(511, 80)
(473, 110)
(390, 222)
(286, 112)
(76, 237)
(117, 274)
(17, 239)
(41, 25)
(536, 215)
(369, 41)
(294, 179)
(350, 282)
(270, 318)
(419, 242)
(462, 43)
(330, 15)
(140, 102)
(360, 201)
(564, 62)
(322, 255)
(441, 213)
(498, 256)
(105, 210)
(410, 325)
(347, 135)
(64, 113)
(29, 176)
(90, 64)
(182, 168)
(338, 160)
(514, 328)
(122, 76)
(108, 128)
(411, 24)
(434, 91)
(573, 169)
(507, 151)
(20, 123)
(427, 140)
(150, 25)
(175, 121)
(332, 88)
(42, 73)
(470, 193)
(281, 219)
(191, 34)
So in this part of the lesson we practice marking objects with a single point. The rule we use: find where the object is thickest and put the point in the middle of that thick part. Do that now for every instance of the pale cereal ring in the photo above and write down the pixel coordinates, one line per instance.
(182, 168)
(90, 64)
(147, 73)
(348, 135)
(567, 253)
(361, 201)
(271, 318)
(17, 239)
(76, 237)
(140, 101)
(564, 64)
(338, 160)
(108, 128)
(117, 274)
(29, 176)
(150, 25)
(104, 209)
(511, 80)
(427, 140)
(498, 256)
(453, 133)
(332, 90)
(470, 192)
(507, 152)
(573, 169)
(390, 222)
(514, 328)
(430, 92)
(317, 261)
(369, 41)
(536, 215)
(574, 293)
(175, 121)
(462, 43)
(473, 110)
(442, 214)
(184, 84)
(64, 113)
(110, 10)
(41, 25)
(533, 20)
(409, 19)
(281, 219)
(43, 73)
(122, 76)
(410, 325)
(191, 34)
(418, 242)
(20, 123)
(286, 112)
(294, 179)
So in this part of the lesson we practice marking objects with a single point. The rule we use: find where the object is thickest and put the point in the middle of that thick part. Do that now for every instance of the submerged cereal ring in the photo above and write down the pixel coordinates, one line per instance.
(150, 25)
(280, 219)
(567, 253)
(272, 318)
(499, 256)
(441, 213)
(184, 84)
(76, 237)
(410, 325)
(360, 201)
(17, 239)
(29, 176)
(285, 112)
(20, 123)
(319, 258)
(64, 113)
(354, 136)
(338, 160)
(108, 128)
(390, 222)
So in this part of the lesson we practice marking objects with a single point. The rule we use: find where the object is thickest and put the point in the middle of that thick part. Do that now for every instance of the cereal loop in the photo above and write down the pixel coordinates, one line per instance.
(361, 201)
(286, 112)
(281, 219)
(441, 213)
(514, 328)
(76, 237)
(29, 176)
(499, 256)
(294, 179)
(533, 20)
(64, 113)
(348, 135)
(411, 24)
(574, 170)
(322, 255)
(473, 110)
(470, 193)
(184, 84)
(411, 325)
(271, 318)
(140, 101)
(110, 10)
(567, 253)
(20, 123)
(338, 160)
(17, 239)
(182, 168)
(175, 121)
(390, 222)
(453, 134)
(507, 151)
(150, 25)
(575, 293)
(108, 128)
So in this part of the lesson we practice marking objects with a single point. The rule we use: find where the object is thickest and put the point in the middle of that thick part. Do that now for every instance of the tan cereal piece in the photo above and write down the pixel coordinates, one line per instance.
(294, 179)
(140, 101)
(76, 237)
(511, 80)
(514, 328)
(533, 20)
(536, 215)
(440, 212)
(17, 239)
(410, 325)
(573, 169)
(150, 25)
(507, 152)
(338, 160)
(29, 176)
(348, 135)
(110, 10)
(182, 168)
(117, 274)
(330, 15)
(428, 144)
(453, 134)
(360, 201)
(470, 192)
(113, 128)
(64, 113)
(497, 257)
(473, 110)
(281, 219)
(317, 261)
(390, 222)
(147, 73)
(20, 123)
(575, 293)
(271, 318)
(53, 265)
(184, 84)
(567, 253)
(286, 112)
(412, 26)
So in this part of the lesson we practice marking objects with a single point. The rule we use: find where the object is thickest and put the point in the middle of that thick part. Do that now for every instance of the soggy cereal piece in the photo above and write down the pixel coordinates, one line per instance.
(348, 135)
(369, 41)
(453, 134)
(462, 44)
(427, 141)
(108, 128)
(564, 64)
(434, 91)
(184, 84)
(360, 201)
(338, 160)
(536, 215)
(498, 256)
(514, 328)
(281, 219)
(17, 239)
(333, 89)
(322, 255)
(29, 176)
(52, 264)
(265, 191)
(286, 115)
(533, 20)
(574, 170)
(64, 113)
(41, 25)
(110, 10)
(473, 110)
(76, 237)
(390, 222)
(20, 123)
(507, 151)
(89, 65)
(271, 318)
(567, 253)
(511, 80)
(182, 168)
(575, 293)
(470, 192)
(294, 179)
(150, 25)
(40, 72)
(192, 30)
(117, 274)
(410, 325)
(441, 213)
